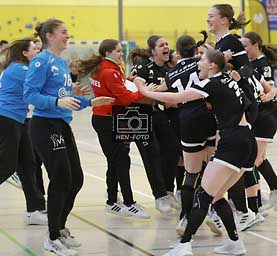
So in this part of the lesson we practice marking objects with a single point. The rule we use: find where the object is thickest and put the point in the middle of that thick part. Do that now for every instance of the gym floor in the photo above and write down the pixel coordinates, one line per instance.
(103, 233)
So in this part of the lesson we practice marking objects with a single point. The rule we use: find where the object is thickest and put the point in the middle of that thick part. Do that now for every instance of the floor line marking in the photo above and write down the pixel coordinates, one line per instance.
(112, 234)
(148, 196)
(28, 251)
(102, 179)
(261, 236)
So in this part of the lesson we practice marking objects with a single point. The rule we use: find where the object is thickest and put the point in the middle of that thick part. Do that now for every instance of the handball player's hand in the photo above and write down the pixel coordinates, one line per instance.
(80, 90)
(103, 100)
(68, 103)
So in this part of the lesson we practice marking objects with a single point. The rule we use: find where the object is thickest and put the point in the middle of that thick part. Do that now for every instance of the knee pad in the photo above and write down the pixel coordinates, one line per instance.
(202, 199)
(250, 179)
(192, 180)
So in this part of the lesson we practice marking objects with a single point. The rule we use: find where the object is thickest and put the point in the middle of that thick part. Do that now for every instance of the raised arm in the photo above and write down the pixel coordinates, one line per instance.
(169, 97)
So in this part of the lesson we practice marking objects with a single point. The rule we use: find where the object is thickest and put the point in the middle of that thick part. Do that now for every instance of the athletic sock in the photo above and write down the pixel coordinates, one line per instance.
(253, 204)
(259, 196)
(237, 194)
(180, 177)
(268, 173)
(224, 211)
(201, 203)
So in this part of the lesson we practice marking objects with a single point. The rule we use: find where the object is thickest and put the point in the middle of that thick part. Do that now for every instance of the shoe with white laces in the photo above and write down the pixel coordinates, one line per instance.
(230, 247)
(117, 208)
(173, 201)
(182, 249)
(69, 240)
(57, 247)
(244, 220)
(178, 196)
(214, 222)
(137, 211)
(36, 218)
(181, 227)
(163, 205)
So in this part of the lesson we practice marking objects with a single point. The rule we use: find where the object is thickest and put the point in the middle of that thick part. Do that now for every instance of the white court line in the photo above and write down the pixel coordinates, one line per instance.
(148, 196)
(261, 236)
(102, 179)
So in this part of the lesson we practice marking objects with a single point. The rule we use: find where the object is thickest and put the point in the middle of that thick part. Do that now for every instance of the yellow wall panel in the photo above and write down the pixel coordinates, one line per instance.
(98, 20)
(93, 23)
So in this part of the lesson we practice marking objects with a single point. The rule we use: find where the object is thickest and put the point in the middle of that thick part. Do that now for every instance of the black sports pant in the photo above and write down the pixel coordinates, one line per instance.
(160, 156)
(38, 163)
(169, 147)
(16, 154)
(55, 144)
(118, 160)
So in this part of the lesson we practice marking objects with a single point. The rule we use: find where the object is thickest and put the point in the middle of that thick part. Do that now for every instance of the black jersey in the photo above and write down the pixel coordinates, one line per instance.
(256, 82)
(262, 66)
(232, 43)
(227, 99)
(150, 72)
(182, 77)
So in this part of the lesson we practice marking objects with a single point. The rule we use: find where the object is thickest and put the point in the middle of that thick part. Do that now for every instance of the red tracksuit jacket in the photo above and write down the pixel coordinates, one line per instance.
(108, 80)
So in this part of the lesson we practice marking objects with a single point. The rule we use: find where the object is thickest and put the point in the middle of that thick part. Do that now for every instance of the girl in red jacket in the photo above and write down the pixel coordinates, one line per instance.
(107, 79)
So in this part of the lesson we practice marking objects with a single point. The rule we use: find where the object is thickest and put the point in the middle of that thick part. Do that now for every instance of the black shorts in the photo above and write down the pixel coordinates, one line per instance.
(197, 127)
(236, 149)
(265, 125)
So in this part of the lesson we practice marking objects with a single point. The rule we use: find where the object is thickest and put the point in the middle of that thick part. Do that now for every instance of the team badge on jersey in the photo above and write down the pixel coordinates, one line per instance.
(37, 64)
(62, 93)
(267, 72)
(54, 70)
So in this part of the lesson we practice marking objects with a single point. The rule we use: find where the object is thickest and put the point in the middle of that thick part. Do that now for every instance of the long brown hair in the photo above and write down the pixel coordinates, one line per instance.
(45, 27)
(15, 50)
(226, 10)
(269, 51)
(138, 54)
(186, 44)
(90, 65)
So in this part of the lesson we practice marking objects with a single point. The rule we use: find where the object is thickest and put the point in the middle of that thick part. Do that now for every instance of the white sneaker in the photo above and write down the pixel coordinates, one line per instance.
(35, 218)
(163, 205)
(69, 240)
(231, 248)
(263, 211)
(214, 223)
(244, 220)
(181, 227)
(137, 210)
(172, 201)
(57, 247)
(272, 200)
(117, 209)
(15, 180)
(258, 219)
(178, 196)
(182, 249)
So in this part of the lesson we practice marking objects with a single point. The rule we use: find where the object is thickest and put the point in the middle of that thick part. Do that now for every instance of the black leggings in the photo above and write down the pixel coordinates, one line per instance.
(118, 160)
(55, 144)
(16, 154)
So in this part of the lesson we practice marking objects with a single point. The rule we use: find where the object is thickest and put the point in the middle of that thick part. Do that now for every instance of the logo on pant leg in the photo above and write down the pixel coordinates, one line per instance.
(58, 141)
